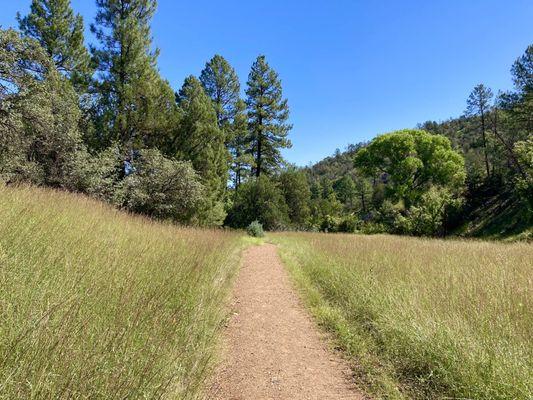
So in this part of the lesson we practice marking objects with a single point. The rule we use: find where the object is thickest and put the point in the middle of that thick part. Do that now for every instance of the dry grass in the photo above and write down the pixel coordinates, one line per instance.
(423, 318)
(95, 303)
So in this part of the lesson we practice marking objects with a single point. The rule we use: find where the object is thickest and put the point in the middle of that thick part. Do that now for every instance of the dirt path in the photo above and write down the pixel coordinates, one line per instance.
(272, 348)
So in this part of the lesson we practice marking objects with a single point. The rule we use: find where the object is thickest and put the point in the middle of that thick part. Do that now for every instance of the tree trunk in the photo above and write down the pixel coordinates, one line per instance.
(485, 142)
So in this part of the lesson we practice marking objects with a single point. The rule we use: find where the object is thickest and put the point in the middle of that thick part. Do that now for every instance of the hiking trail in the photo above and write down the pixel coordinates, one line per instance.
(271, 346)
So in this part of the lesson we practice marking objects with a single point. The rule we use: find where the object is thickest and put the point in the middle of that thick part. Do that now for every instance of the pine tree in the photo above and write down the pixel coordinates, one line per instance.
(268, 113)
(221, 84)
(241, 159)
(60, 32)
(137, 107)
(479, 105)
(201, 141)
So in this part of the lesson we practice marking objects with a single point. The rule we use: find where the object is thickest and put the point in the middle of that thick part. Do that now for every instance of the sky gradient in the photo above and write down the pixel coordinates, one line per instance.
(351, 69)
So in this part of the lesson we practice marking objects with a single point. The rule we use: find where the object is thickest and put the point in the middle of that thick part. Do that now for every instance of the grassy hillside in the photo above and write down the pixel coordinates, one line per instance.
(95, 303)
(426, 319)
(498, 217)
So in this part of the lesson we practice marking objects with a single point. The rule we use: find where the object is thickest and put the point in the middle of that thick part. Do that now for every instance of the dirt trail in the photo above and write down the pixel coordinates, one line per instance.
(272, 348)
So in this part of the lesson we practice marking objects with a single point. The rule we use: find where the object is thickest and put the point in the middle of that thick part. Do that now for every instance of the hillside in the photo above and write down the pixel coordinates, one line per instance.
(97, 303)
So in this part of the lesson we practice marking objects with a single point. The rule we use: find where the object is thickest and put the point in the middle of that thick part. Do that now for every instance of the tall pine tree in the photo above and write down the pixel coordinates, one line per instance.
(241, 159)
(60, 32)
(200, 140)
(136, 106)
(268, 113)
(221, 83)
(478, 104)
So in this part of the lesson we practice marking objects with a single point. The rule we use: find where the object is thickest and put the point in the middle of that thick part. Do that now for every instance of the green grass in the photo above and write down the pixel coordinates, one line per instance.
(99, 304)
(420, 318)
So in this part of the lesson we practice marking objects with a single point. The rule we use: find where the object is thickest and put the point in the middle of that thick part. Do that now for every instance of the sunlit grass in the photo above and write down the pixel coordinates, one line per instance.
(95, 303)
(423, 318)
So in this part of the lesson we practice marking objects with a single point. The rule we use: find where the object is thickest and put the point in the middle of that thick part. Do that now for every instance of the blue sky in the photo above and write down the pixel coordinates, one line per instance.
(350, 69)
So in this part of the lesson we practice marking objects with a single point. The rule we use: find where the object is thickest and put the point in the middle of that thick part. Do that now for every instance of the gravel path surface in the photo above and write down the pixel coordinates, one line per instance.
(272, 349)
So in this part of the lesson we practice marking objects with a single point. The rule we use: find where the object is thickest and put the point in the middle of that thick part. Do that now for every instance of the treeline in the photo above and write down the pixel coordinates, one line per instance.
(103, 121)
(495, 139)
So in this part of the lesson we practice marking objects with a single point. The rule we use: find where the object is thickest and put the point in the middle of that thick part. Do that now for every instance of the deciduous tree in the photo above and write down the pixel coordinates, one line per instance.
(410, 162)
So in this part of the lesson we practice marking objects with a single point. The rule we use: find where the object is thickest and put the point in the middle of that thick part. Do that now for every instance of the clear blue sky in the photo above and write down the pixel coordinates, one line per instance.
(351, 69)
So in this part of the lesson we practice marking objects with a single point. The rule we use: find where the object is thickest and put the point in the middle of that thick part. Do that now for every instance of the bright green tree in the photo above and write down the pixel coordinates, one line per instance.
(200, 140)
(60, 32)
(136, 106)
(410, 162)
(268, 113)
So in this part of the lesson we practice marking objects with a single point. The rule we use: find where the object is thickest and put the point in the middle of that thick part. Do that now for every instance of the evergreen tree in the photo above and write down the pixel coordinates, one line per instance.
(136, 107)
(200, 140)
(221, 84)
(346, 191)
(60, 32)
(479, 105)
(297, 194)
(241, 159)
(268, 113)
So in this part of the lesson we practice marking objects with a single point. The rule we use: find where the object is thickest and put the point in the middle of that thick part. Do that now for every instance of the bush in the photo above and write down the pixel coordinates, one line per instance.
(255, 229)
(427, 217)
(349, 224)
(160, 187)
(259, 199)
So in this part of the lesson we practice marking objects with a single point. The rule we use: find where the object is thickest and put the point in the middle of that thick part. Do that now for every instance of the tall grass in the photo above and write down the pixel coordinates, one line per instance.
(426, 319)
(95, 303)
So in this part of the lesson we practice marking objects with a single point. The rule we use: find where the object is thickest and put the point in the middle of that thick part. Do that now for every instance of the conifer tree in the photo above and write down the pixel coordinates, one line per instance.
(60, 32)
(221, 84)
(200, 140)
(137, 107)
(268, 113)
(479, 105)
(238, 145)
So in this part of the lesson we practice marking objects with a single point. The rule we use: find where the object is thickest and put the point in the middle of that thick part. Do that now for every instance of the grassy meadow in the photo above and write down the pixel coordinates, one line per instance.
(99, 304)
(421, 318)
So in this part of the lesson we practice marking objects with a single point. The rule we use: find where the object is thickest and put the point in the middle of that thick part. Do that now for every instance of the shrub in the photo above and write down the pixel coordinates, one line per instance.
(349, 224)
(160, 187)
(259, 199)
(427, 217)
(255, 229)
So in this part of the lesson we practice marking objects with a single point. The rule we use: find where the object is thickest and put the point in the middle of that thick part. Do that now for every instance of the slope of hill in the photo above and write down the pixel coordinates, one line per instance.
(96, 303)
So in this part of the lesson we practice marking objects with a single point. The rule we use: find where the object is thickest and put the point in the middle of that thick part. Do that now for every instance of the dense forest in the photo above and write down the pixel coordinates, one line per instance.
(101, 120)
